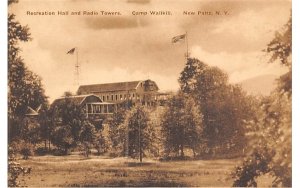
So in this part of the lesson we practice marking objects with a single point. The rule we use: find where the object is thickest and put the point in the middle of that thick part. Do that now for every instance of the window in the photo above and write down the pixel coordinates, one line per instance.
(121, 97)
(105, 109)
(103, 97)
(112, 97)
(116, 97)
(107, 97)
(97, 109)
(89, 108)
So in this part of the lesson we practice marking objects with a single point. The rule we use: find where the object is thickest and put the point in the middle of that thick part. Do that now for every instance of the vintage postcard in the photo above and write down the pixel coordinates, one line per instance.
(149, 93)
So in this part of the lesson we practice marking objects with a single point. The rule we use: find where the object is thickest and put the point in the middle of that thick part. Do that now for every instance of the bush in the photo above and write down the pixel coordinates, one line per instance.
(85, 149)
(58, 152)
(27, 150)
(22, 147)
(14, 169)
(114, 154)
(41, 151)
(270, 144)
(175, 158)
(253, 167)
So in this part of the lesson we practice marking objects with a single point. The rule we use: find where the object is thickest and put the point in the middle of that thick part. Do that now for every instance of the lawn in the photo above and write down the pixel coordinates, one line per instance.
(75, 170)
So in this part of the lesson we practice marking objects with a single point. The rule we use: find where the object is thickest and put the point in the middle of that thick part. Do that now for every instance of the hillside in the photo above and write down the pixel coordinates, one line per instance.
(260, 85)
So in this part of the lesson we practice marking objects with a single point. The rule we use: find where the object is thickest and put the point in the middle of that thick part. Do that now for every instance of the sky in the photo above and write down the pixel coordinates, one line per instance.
(127, 47)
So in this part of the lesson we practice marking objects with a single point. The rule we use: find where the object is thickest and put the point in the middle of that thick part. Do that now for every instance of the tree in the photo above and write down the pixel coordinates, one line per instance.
(223, 106)
(139, 133)
(269, 134)
(88, 137)
(118, 131)
(101, 142)
(68, 120)
(24, 90)
(24, 87)
(181, 126)
(188, 77)
(210, 91)
(62, 138)
(30, 131)
(280, 48)
(15, 169)
(193, 125)
(46, 128)
(270, 129)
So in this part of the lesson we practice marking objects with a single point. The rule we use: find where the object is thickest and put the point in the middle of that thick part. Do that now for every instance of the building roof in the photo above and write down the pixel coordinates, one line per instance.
(31, 112)
(76, 99)
(118, 86)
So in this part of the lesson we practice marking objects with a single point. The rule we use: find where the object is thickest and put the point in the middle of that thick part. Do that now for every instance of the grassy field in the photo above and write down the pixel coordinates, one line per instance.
(75, 170)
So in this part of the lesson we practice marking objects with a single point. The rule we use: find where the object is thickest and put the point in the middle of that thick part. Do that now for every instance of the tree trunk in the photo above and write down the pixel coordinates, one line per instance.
(181, 150)
(194, 153)
(66, 150)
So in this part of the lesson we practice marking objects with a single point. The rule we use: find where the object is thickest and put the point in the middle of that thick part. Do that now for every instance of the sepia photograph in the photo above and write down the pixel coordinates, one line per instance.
(149, 93)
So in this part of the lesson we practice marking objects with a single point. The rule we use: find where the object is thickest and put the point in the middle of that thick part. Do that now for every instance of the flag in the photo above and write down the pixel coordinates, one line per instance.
(178, 38)
(71, 51)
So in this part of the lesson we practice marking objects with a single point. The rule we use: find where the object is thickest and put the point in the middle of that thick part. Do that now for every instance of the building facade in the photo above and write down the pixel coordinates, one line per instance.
(144, 92)
(100, 101)
(92, 105)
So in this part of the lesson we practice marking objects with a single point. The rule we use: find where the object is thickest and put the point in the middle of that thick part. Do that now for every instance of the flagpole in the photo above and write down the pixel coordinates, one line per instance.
(77, 67)
(187, 45)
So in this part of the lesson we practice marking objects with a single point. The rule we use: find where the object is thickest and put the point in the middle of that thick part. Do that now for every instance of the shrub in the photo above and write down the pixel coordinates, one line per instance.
(41, 151)
(85, 149)
(15, 169)
(26, 150)
(23, 148)
(58, 152)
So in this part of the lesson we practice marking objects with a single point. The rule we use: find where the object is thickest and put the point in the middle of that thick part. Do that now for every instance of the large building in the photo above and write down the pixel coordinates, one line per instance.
(100, 101)
(144, 92)
(92, 105)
